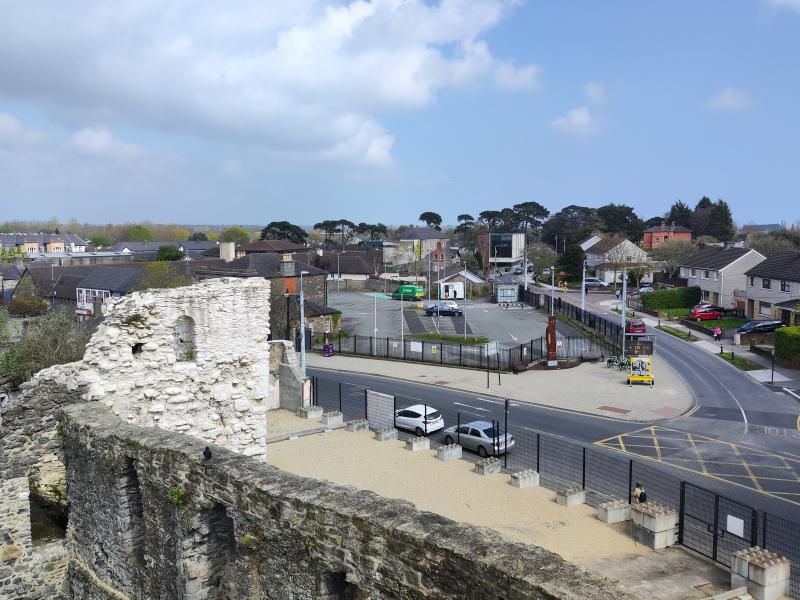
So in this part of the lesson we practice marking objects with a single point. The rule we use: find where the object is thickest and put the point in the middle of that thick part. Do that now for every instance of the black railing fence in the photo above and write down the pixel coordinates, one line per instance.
(708, 523)
(454, 354)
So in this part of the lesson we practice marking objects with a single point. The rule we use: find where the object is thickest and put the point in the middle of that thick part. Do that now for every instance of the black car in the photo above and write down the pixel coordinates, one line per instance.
(764, 326)
(444, 308)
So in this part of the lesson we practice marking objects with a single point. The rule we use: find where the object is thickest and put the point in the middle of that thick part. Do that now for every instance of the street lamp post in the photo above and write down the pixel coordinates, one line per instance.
(624, 305)
(302, 326)
(583, 290)
(465, 300)
(338, 276)
(552, 290)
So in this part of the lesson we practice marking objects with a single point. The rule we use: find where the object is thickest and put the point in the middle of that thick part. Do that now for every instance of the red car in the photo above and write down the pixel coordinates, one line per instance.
(635, 326)
(705, 313)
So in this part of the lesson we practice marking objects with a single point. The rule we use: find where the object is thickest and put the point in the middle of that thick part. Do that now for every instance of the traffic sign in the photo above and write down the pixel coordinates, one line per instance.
(640, 347)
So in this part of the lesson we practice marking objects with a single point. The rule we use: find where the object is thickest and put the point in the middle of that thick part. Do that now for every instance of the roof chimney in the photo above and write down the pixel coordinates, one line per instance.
(227, 251)
(287, 265)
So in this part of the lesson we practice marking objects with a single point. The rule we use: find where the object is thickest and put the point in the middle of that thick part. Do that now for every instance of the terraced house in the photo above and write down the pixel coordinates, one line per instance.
(719, 272)
(773, 288)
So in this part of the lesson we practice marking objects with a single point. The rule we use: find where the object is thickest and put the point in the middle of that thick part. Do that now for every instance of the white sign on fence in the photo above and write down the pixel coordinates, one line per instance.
(416, 347)
(735, 525)
(380, 410)
(491, 349)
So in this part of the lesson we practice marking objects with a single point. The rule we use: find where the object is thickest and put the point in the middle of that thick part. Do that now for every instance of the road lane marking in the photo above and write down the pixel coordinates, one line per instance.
(621, 443)
(470, 406)
(746, 467)
(697, 453)
(788, 391)
(655, 443)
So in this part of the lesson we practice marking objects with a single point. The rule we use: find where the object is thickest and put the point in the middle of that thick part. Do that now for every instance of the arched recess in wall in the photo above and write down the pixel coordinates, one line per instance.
(184, 339)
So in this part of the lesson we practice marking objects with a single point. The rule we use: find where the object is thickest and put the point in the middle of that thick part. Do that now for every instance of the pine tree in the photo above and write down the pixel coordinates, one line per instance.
(720, 222)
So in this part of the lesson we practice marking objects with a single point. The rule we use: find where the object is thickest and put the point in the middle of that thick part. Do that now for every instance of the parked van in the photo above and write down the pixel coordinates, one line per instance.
(409, 292)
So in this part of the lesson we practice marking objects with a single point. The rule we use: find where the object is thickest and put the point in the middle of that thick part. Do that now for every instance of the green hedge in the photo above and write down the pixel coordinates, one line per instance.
(787, 342)
(675, 298)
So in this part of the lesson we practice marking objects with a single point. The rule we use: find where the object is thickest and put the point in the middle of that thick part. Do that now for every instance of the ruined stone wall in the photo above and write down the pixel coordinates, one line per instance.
(148, 520)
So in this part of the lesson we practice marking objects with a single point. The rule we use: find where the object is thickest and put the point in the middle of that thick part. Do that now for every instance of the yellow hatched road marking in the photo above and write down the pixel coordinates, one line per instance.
(655, 443)
(790, 469)
(746, 467)
(697, 453)
(621, 443)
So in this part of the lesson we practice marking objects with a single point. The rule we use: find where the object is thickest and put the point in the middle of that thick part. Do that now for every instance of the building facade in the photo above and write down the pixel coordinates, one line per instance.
(658, 234)
(501, 249)
(773, 289)
(719, 272)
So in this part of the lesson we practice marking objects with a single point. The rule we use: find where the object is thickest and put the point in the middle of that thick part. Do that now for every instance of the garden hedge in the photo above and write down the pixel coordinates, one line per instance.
(787, 342)
(674, 298)
(26, 306)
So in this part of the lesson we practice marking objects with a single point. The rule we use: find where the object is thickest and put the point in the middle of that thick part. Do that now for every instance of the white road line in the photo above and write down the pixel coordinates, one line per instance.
(787, 390)
(469, 406)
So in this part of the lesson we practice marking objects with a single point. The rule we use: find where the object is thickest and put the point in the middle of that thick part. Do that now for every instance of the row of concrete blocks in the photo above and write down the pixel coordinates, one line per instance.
(766, 575)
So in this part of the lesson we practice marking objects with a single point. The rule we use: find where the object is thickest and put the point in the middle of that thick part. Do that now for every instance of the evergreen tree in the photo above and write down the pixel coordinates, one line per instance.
(572, 260)
(720, 222)
(680, 214)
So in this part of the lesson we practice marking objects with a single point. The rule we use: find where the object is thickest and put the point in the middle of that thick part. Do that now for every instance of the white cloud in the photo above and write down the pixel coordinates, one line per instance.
(100, 142)
(730, 98)
(232, 168)
(785, 4)
(305, 78)
(576, 121)
(595, 92)
(13, 132)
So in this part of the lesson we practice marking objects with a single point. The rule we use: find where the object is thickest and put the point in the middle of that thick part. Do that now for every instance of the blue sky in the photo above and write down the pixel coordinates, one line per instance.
(376, 111)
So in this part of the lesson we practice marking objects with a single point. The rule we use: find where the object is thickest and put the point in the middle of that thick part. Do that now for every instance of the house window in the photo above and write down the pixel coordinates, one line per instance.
(706, 274)
(705, 295)
(693, 272)
(786, 286)
(752, 281)
(765, 309)
(766, 284)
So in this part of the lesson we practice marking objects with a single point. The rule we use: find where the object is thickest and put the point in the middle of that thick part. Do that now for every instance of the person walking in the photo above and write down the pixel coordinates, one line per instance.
(717, 333)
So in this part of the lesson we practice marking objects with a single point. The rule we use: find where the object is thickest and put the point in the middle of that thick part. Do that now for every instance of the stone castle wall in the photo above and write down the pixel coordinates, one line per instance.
(150, 520)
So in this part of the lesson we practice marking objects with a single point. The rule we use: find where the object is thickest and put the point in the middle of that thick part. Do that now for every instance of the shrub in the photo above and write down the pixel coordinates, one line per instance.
(787, 342)
(177, 495)
(27, 306)
(675, 298)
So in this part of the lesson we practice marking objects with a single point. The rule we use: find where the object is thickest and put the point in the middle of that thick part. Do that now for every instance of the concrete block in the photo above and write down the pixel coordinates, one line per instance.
(525, 479)
(418, 443)
(449, 452)
(385, 434)
(332, 418)
(655, 540)
(741, 560)
(654, 517)
(775, 591)
(488, 466)
(357, 425)
(309, 412)
(738, 582)
(571, 496)
(615, 511)
(769, 568)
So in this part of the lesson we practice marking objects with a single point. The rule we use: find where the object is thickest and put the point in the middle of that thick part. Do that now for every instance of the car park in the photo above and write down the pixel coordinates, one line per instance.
(706, 313)
(635, 326)
(762, 326)
(419, 418)
(444, 308)
(595, 282)
(481, 437)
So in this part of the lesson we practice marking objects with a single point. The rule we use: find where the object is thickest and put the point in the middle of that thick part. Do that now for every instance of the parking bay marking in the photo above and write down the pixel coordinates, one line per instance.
(470, 406)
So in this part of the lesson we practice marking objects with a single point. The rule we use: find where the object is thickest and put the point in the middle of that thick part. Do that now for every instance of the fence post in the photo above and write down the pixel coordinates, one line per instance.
(394, 412)
(441, 353)
(630, 479)
(460, 355)
(458, 429)
(764, 530)
(425, 418)
(387, 347)
(583, 478)
(371, 352)
(366, 412)
(681, 511)
(716, 527)
(340, 396)
(754, 528)
(505, 433)
(538, 437)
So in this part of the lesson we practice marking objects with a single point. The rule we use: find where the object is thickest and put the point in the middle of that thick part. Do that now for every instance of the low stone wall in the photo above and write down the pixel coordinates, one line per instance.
(148, 519)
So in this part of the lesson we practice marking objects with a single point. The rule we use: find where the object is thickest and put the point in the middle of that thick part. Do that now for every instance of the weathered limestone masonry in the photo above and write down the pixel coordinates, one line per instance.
(148, 520)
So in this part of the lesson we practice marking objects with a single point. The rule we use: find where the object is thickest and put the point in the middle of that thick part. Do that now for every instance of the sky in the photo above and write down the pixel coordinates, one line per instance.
(305, 110)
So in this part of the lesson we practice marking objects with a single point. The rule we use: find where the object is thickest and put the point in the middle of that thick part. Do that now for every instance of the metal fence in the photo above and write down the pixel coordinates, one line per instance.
(455, 354)
(709, 523)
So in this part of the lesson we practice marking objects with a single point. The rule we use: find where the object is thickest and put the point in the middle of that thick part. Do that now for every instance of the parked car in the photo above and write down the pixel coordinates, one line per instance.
(705, 313)
(635, 326)
(444, 307)
(481, 437)
(763, 326)
(408, 292)
(517, 269)
(642, 290)
(705, 304)
(595, 282)
(412, 419)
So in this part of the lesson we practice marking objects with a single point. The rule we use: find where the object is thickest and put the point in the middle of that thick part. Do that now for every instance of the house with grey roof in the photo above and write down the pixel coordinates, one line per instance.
(773, 288)
(103, 283)
(148, 250)
(40, 243)
(719, 272)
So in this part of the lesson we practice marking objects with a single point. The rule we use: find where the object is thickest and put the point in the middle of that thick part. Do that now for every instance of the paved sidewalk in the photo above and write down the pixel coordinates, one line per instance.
(708, 344)
(589, 388)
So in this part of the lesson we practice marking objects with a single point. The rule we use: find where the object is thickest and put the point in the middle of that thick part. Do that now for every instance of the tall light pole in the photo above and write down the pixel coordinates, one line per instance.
(624, 305)
(583, 290)
(465, 300)
(338, 275)
(302, 326)
(375, 316)
(552, 290)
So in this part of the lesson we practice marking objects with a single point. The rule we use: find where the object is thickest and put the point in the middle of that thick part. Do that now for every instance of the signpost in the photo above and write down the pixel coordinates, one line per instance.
(492, 350)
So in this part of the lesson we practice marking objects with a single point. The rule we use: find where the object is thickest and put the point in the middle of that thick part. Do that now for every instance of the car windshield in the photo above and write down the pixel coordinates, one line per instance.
(433, 415)
(491, 431)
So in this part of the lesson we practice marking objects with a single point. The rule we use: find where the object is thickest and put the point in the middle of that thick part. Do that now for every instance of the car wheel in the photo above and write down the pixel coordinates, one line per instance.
(419, 432)
(482, 452)
(448, 440)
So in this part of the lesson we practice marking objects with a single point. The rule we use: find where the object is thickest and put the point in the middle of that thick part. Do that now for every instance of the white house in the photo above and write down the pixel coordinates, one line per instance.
(610, 255)
(719, 272)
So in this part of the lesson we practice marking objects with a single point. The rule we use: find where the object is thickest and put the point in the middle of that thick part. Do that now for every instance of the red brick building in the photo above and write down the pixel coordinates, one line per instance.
(658, 234)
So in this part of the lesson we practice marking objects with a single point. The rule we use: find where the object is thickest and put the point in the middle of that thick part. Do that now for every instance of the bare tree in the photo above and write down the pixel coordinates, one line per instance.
(672, 253)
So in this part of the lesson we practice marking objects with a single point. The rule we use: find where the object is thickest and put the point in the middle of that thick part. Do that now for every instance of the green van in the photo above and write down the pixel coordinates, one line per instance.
(408, 292)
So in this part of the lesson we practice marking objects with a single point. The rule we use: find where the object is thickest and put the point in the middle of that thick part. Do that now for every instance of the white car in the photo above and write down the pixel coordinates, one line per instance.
(411, 418)
(595, 282)
(642, 290)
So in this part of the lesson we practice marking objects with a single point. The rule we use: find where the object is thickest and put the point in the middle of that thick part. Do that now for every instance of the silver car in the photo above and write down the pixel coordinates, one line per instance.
(481, 437)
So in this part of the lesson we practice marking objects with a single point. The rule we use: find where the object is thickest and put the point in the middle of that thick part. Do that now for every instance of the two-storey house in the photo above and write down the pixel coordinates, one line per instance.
(719, 272)
(773, 288)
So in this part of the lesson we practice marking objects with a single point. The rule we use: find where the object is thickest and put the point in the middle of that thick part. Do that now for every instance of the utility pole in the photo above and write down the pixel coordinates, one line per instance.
(465, 300)
(624, 305)
(338, 275)
(302, 326)
(375, 316)
(552, 290)
(402, 324)
(583, 290)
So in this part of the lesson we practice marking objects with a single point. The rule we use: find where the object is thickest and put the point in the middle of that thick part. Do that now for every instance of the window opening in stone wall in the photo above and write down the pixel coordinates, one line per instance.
(137, 348)
(48, 521)
(132, 510)
(209, 553)
(184, 339)
(335, 586)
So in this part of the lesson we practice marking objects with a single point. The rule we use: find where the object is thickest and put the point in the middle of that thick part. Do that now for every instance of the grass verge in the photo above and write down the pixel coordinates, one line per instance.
(677, 333)
(739, 362)
(435, 337)
(722, 323)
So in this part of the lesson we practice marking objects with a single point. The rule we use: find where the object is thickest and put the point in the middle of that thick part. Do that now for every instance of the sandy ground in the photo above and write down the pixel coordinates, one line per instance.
(283, 421)
(590, 388)
(452, 490)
